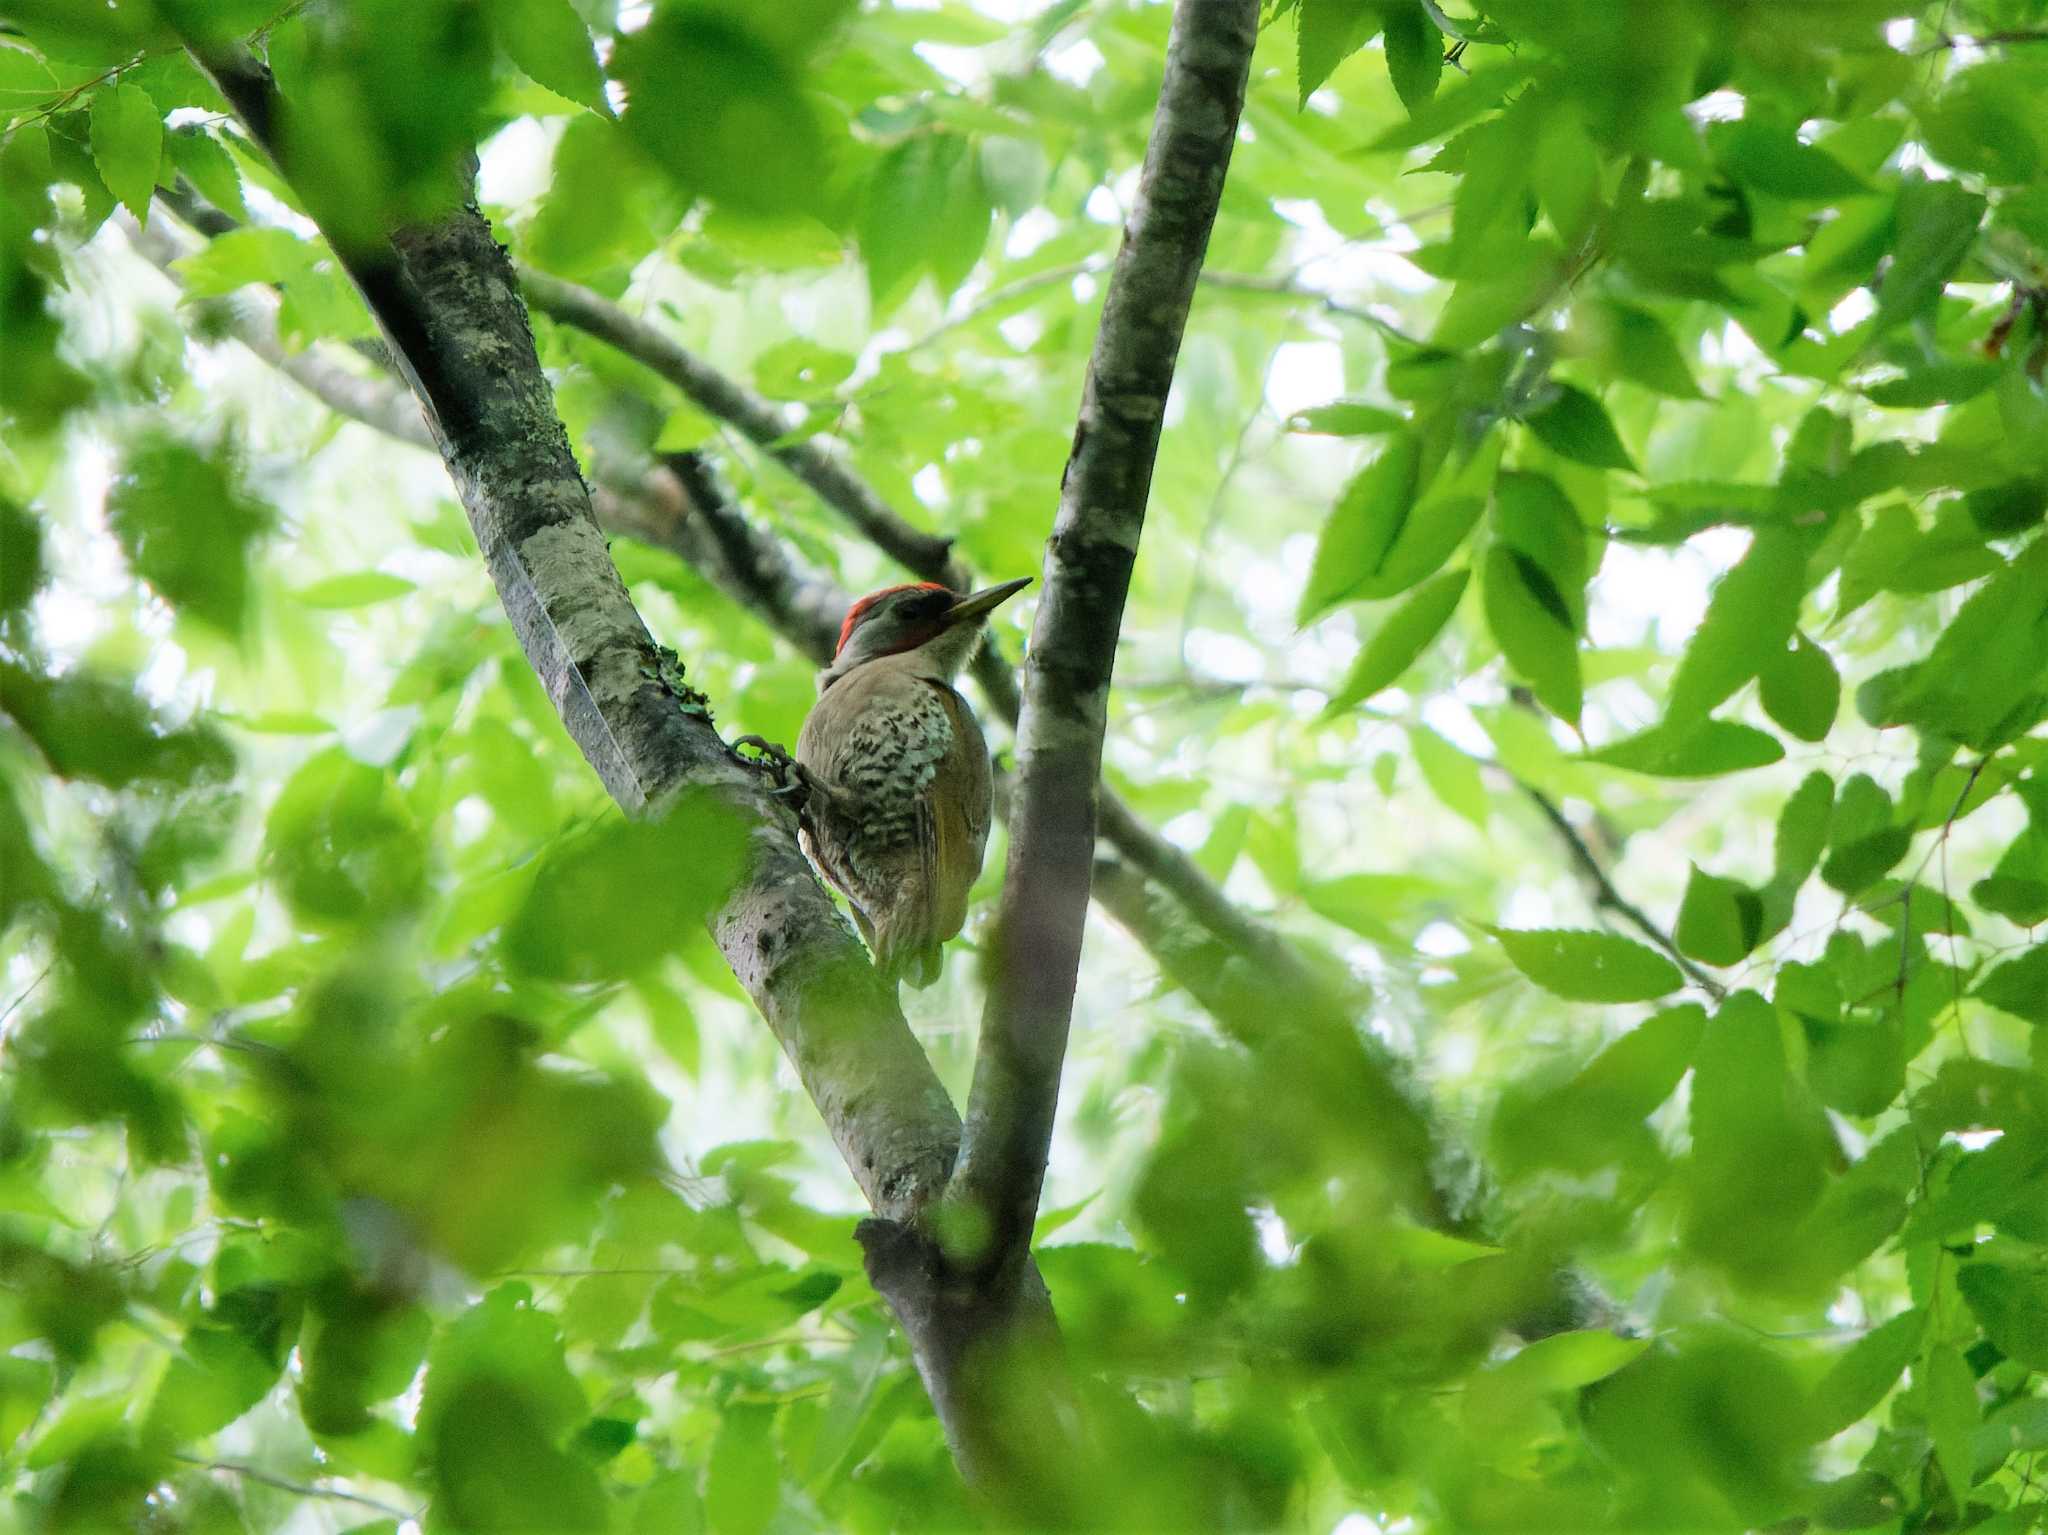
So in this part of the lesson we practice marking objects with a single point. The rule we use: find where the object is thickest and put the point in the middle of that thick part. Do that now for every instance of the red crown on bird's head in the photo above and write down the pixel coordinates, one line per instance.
(858, 613)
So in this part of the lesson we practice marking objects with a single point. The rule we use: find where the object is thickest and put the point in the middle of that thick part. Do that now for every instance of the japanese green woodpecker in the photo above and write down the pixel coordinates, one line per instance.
(897, 810)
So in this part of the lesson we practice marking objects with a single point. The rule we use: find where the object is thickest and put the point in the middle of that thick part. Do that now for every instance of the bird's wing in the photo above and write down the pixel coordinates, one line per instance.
(960, 795)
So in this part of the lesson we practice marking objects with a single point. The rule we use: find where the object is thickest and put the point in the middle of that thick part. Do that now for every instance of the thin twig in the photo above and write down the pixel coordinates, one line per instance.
(302, 1489)
(1608, 897)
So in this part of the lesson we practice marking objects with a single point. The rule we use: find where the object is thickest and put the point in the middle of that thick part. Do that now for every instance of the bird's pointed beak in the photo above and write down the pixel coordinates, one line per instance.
(979, 605)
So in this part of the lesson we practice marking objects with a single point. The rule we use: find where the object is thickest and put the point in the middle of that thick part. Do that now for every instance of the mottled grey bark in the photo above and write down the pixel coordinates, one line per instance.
(1035, 951)
(445, 297)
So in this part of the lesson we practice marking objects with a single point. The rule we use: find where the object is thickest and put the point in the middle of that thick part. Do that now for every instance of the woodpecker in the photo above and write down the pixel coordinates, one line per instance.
(895, 772)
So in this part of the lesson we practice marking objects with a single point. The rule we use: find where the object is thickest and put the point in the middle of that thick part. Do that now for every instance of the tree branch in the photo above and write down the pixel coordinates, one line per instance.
(1255, 983)
(1036, 947)
(445, 297)
(761, 422)
(844, 491)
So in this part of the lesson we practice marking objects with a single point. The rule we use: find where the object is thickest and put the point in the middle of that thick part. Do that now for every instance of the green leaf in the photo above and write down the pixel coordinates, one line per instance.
(1326, 33)
(1802, 832)
(495, 1409)
(1952, 1416)
(2012, 1302)
(743, 1487)
(1362, 528)
(1452, 776)
(716, 106)
(1748, 620)
(1576, 426)
(617, 898)
(1399, 642)
(1768, 155)
(1705, 750)
(1757, 1144)
(1565, 1361)
(242, 256)
(200, 158)
(2019, 986)
(127, 144)
(1801, 689)
(186, 525)
(1346, 418)
(358, 590)
(1864, 839)
(1415, 54)
(2003, 510)
(342, 845)
(1985, 666)
(926, 211)
(1490, 186)
(1585, 966)
(1532, 624)
(1937, 226)
(1866, 1372)
(93, 726)
(552, 47)
(1638, 348)
(1720, 920)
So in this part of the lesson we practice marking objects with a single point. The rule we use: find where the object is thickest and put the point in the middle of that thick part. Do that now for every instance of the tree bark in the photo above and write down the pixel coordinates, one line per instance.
(1036, 948)
(445, 297)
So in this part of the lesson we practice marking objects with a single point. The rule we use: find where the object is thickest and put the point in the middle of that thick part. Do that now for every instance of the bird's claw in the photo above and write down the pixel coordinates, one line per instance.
(791, 782)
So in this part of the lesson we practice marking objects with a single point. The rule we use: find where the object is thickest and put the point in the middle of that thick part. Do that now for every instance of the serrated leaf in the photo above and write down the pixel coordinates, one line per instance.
(186, 525)
(926, 211)
(2019, 986)
(1950, 1401)
(1399, 642)
(1640, 349)
(200, 158)
(1415, 54)
(718, 107)
(1720, 920)
(1452, 776)
(357, 590)
(1748, 620)
(1937, 226)
(1326, 33)
(1768, 156)
(127, 145)
(1362, 527)
(1587, 966)
(1866, 1372)
(1345, 418)
(1801, 689)
(1576, 426)
(1706, 750)
(552, 47)
(2012, 1303)
(1529, 622)
(743, 1486)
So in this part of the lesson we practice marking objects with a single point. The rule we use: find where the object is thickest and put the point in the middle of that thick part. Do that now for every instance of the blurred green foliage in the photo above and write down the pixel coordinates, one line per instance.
(382, 1141)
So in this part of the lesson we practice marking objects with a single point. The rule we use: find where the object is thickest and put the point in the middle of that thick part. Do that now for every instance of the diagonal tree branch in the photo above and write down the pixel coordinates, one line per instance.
(444, 295)
(762, 422)
(1036, 949)
(826, 472)
(1255, 983)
